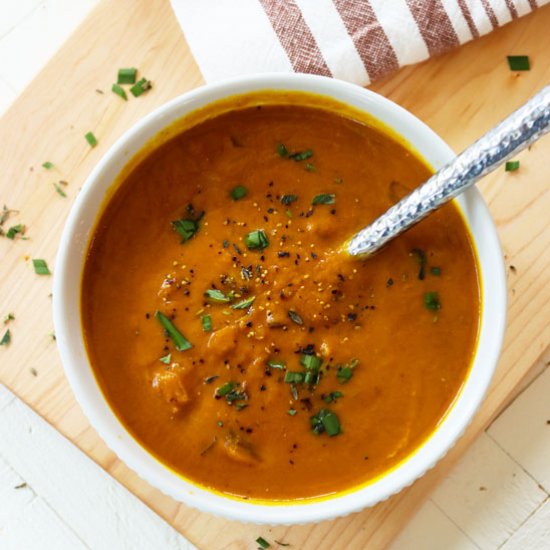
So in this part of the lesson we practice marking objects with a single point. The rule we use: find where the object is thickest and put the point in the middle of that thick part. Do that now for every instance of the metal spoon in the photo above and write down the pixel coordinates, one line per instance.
(524, 126)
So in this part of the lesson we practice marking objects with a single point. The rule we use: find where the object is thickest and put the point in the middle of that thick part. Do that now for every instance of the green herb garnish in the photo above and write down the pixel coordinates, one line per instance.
(91, 139)
(294, 377)
(238, 192)
(295, 317)
(310, 167)
(344, 373)
(263, 543)
(166, 359)
(14, 230)
(431, 301)
(435, 271)
(225, 389)
(420, 256)
(518, 62)
(9, 317)
(332, 396)
(288, 199)
(187, 227)
(116, 89)
(311, 362)
(180, 341)
(301, 155)
(48, 165)
(127, 76)
(206, 323)
(41, 267)
(256, 240)
(59, 190)
(218, 296)
(276, 364)
(141, 87)
(243, 304)
(6, 339)
(324, 198)
(325, 421)
(511, 166)
(282, 151)
(292, 412)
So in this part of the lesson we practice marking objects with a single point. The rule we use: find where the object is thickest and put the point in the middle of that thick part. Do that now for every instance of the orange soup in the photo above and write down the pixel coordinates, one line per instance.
(233, 337)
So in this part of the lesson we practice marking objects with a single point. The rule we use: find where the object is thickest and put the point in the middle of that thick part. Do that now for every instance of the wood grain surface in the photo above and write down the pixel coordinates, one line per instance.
(460, 95)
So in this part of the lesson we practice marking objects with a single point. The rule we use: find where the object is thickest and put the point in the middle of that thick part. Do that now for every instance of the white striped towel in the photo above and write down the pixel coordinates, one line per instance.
(355, 40)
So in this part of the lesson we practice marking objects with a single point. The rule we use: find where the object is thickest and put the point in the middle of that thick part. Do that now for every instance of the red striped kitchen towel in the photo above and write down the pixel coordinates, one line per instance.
(355, 40)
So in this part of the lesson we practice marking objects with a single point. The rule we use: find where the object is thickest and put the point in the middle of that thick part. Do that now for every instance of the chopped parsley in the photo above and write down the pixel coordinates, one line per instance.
(435, 271)
(256, 240)
(324, 198)
(41, 267)
(325, 421)
(431, 301)
(238, 192)
(180, 341)
(332, 396)
(344, 373)
(282, 151)
(301, 155)
(225, 389)
(188, 227)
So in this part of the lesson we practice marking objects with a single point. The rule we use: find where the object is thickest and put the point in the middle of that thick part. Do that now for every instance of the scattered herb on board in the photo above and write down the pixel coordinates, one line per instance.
(238, 192)
(294, 317)
(140, 87)
(324, 198)
(59, 190)
(188, 227)
(177, 337)
(344, 372)
(263, 543)
(218, 297)
(127, 76)
(33, 371)
(6, 212)
(48, 165)
(325, 421)
(420, 256)
(21, 485)
(511, 166)
(18, 229)
(431, 301)
(282, 543)
(301, 155)
(52, 336)
(435, 271)
(256, 240)
(243, 304)
(119, 91)
(41, 267)
(6, 339)
(91, 139)
(9, 317)
(206, 323)
(166, 359)
(519, 62)
(288, 199)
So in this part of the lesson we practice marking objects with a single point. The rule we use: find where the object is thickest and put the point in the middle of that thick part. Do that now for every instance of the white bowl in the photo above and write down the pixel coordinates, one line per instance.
(66, 306)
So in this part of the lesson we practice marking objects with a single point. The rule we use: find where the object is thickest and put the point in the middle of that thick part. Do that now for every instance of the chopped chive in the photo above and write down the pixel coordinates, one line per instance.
(14, 230)
(511, 166)
(256, 240)
(295, 317)
(311, 362)
(332, 396)
(91, 139)
(59, 190)
(177, 337)
(292, 412)
(276, 364)
(420, 256)
(435, 271)
(211, 379)
(41, 267)
(218, 296)
(116, 89)
(127, 76)
(141, 87)
(325, 421)
(262, 542)
(310, 167)
(311, 377)
(282, 151)
(225, 389)
(344, 373)
(166, 359)
(243, 304)
(206, 323)
(48, 165)
(288, 199)
(187, 227)
(431, 301)
(518, 62)
(301, 155)
(6, 339)
(294, 377)
(324, 198)
(238, 192)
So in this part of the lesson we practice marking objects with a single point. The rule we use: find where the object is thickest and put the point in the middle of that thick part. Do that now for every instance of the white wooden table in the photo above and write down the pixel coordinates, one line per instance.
(53, 496)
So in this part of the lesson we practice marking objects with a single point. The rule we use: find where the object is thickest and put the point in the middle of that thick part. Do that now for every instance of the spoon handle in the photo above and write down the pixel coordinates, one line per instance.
(513, 134)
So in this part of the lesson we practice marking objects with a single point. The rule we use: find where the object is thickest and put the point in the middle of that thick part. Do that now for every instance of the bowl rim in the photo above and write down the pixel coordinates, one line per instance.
(75, 238)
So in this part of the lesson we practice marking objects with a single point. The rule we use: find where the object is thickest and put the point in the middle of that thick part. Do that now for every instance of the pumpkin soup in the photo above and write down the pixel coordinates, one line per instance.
(232, 336)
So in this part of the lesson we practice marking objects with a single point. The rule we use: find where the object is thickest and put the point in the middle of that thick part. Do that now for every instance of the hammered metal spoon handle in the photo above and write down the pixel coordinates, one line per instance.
(513, 134)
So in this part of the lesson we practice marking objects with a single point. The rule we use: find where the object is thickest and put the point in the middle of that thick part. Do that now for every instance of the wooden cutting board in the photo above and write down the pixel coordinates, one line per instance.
(460, 95)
